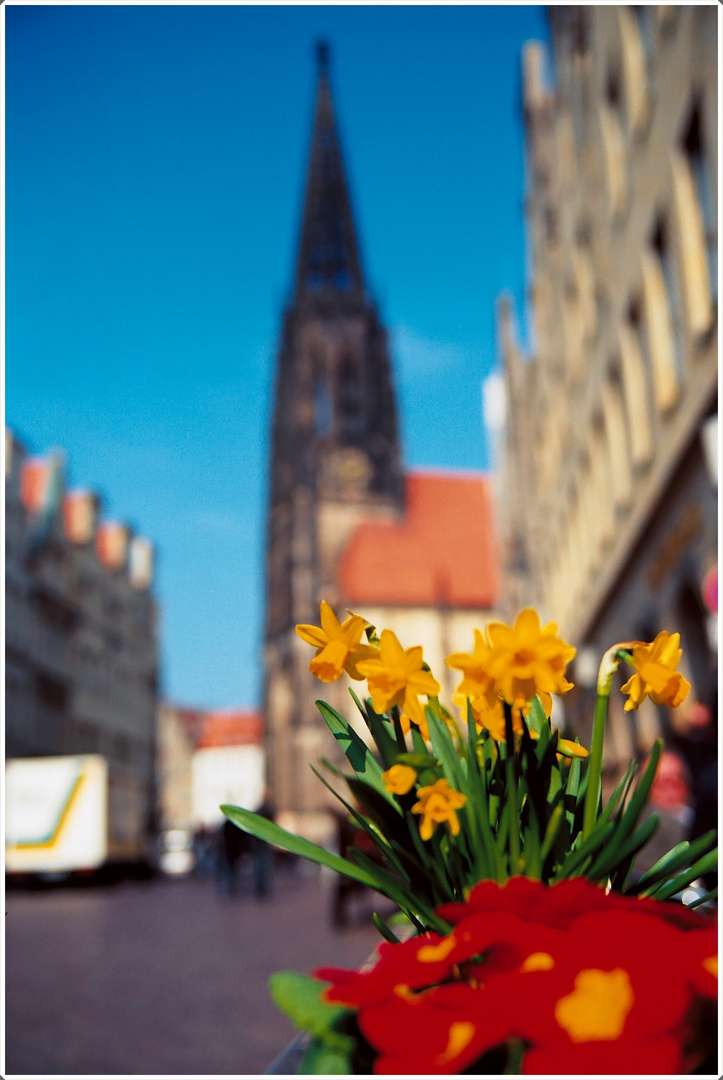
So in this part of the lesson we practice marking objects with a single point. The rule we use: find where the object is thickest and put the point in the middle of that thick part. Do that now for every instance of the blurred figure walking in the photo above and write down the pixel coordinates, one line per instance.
(233, 844)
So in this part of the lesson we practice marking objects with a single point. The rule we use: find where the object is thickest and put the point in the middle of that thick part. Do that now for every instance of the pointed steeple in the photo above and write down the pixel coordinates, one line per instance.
(328, 259)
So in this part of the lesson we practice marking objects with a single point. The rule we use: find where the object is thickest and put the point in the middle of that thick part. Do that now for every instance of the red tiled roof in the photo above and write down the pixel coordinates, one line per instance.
(443, 551)
(224, 727)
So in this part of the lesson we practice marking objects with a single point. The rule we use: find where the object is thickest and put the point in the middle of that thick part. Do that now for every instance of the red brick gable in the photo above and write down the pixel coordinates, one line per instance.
(443, 551)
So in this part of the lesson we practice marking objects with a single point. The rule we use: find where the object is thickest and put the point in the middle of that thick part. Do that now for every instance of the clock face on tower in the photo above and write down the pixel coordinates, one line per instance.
(346, 473)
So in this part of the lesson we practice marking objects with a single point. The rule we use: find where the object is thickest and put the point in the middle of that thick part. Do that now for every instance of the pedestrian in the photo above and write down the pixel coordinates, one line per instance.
(233, 844)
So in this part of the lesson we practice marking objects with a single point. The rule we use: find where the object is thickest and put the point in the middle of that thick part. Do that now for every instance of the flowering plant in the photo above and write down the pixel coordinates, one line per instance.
(535, 947)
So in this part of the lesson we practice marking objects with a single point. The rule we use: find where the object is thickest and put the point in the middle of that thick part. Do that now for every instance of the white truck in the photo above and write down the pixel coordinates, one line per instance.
(71, 813)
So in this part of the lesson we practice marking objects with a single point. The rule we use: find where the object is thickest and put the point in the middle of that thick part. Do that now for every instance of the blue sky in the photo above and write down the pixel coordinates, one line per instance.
(155, 161)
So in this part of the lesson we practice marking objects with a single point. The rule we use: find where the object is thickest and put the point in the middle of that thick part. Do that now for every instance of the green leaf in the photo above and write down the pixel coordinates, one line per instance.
(299, 996)
(536, 719)
(386, 744)
(712, 894)
(369, 827)
(274, 834)
(486, 861)
(420, 747)
(384, 930)
(417, 761)
(390, 823)
(706, 865)
(358, 753)
(323, 1060)
(551, 831)
(639, 798)
(583, 850)
(673, 861)
(614, 853)
(620, 793)
(402, 897)
(444, 749)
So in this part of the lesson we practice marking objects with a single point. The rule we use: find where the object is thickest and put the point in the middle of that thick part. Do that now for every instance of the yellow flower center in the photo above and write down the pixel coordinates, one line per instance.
(598, 1006)
(524, 658)
(461, 1033)
(711, 965)
(538, 961)
(429, 954)
(391, 681)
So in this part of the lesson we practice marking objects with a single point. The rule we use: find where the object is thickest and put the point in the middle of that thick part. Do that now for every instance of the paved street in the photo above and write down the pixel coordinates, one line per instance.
(165, 977)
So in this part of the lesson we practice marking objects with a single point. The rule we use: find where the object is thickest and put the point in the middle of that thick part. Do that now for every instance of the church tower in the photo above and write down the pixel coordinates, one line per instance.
(335, 460)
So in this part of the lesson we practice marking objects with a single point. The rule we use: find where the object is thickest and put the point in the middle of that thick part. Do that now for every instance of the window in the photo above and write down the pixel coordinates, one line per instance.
(614, 147)
(323, 413)
(350, 394)
(636, 36)
(51, 692)
(700, 219)
(621, 473)
(635, 387)
(662, 316)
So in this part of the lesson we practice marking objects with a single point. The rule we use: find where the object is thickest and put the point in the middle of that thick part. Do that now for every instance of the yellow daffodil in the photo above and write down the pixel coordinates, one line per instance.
(492, 717)
(399, 779)
(395, 677)
(438, 802)
(477, 681)
(421, 723)
(655, 673)
(526, 659)
(338, 645)
(569, 749)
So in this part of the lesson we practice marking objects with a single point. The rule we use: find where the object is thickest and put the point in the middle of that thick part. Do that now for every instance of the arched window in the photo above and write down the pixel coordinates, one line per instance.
(696, 218)
(614, 147)
(635, 387)
(634, 36)
(323, 411)
(621, 472)
(349, 390)
(662, 316)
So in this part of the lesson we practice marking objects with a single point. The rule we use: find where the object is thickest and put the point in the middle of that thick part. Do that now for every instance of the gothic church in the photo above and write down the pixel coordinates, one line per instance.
(415, 553)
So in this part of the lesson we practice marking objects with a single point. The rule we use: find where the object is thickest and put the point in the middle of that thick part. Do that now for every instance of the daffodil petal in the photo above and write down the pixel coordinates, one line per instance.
(329, 622)
(312, 635)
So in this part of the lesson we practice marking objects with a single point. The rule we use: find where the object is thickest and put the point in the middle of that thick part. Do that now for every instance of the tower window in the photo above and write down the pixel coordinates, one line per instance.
(350, 394)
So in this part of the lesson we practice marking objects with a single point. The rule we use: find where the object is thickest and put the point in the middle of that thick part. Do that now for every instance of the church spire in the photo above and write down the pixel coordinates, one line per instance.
(328, 259)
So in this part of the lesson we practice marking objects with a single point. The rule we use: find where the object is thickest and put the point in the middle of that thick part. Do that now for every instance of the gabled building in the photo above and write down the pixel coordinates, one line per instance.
(609, 473)
(81, 657)
(345, 524)
(206, 758)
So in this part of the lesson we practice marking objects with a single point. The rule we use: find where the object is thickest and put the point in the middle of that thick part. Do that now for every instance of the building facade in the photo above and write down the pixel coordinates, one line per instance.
(339, 495)
(609, 486)
(206, 758)
(80, 639)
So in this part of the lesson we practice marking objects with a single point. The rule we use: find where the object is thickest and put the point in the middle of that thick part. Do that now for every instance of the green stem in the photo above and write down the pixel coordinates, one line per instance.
(608, 667)
(592, 795)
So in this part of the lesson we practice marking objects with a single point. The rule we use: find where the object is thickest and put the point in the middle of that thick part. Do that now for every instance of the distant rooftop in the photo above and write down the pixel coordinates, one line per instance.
(223, 727)
(443, 552)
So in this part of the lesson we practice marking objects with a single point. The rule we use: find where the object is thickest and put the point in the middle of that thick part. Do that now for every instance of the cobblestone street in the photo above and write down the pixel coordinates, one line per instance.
(165, 977)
